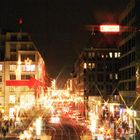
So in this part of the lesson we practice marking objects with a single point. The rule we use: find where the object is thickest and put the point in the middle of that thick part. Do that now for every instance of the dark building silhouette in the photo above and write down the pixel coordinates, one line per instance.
(130, 51)
(96, 69)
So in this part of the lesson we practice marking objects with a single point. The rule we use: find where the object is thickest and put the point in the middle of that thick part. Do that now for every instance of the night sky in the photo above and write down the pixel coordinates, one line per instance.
(57, 26)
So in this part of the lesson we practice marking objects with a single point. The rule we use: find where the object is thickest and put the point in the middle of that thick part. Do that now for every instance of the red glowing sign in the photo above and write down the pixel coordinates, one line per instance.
(109, 28)
(31, 82)
(17, 82)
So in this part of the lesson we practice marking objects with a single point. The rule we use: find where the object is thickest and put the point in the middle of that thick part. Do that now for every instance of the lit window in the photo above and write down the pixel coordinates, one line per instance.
(27, 68)
(89, 65)
(32, 67)
(85, 65)
(12, 99)
(116, 76)
(110, 55)
(102, 56)
(11, 89)
(116, 55)
(11, 112)
(28, 61)
(0, 67)
(93, 65)
(110, 76)
(119, 54)
(12, 67)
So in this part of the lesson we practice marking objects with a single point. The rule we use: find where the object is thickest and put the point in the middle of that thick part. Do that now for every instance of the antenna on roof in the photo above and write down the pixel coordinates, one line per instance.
(20, 22)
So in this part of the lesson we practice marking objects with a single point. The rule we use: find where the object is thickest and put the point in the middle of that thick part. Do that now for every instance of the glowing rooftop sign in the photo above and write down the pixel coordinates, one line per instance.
(109, 28)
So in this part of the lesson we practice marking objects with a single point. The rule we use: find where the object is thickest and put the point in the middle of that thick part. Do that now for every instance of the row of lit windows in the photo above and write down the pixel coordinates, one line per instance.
(115, 76)
(13, 57)
(0, 67)
(23, 67)
(89, 65)
(111, 55)
(102, 55)
(30, 57)
(23, 77)
(21, 89)
(91, 54)
(101, 66)
(12, 99)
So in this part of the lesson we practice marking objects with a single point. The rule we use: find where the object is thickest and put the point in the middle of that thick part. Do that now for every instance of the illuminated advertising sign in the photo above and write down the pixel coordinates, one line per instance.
(109, 28)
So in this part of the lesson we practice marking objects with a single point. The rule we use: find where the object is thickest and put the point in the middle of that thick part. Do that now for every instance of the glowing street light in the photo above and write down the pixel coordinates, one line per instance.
(54, 84)
(38, 126)
(55, 119)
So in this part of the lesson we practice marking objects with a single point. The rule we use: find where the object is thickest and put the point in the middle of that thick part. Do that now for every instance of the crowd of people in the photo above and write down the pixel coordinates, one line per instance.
(6, 125)
(114, 121)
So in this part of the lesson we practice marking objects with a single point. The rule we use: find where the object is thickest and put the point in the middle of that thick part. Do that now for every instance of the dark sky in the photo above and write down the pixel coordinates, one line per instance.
(57, 26)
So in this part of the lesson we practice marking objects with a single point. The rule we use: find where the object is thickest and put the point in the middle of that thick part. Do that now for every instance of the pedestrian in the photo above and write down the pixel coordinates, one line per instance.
(4, 131)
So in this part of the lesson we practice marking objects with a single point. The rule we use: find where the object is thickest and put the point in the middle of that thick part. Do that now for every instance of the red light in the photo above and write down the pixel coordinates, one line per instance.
(109, 28)
(31, 83)
(20, 21)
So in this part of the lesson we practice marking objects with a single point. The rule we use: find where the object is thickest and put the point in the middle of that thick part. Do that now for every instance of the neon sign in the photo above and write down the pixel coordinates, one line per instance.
(109, 28)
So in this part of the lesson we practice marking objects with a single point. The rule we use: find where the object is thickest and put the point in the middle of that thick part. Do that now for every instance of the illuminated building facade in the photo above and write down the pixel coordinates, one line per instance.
(20, 71)
(2, 51)
(130, 51)
(96, 69)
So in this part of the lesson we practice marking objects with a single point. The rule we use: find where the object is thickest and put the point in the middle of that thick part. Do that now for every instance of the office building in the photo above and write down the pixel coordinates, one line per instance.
(21, 73)
(96, 70)
(130, 52)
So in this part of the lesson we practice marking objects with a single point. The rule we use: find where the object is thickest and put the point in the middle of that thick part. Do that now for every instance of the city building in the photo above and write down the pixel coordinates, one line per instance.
(2, 50)
(129, 45)
(22, 73)
(96, 70)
